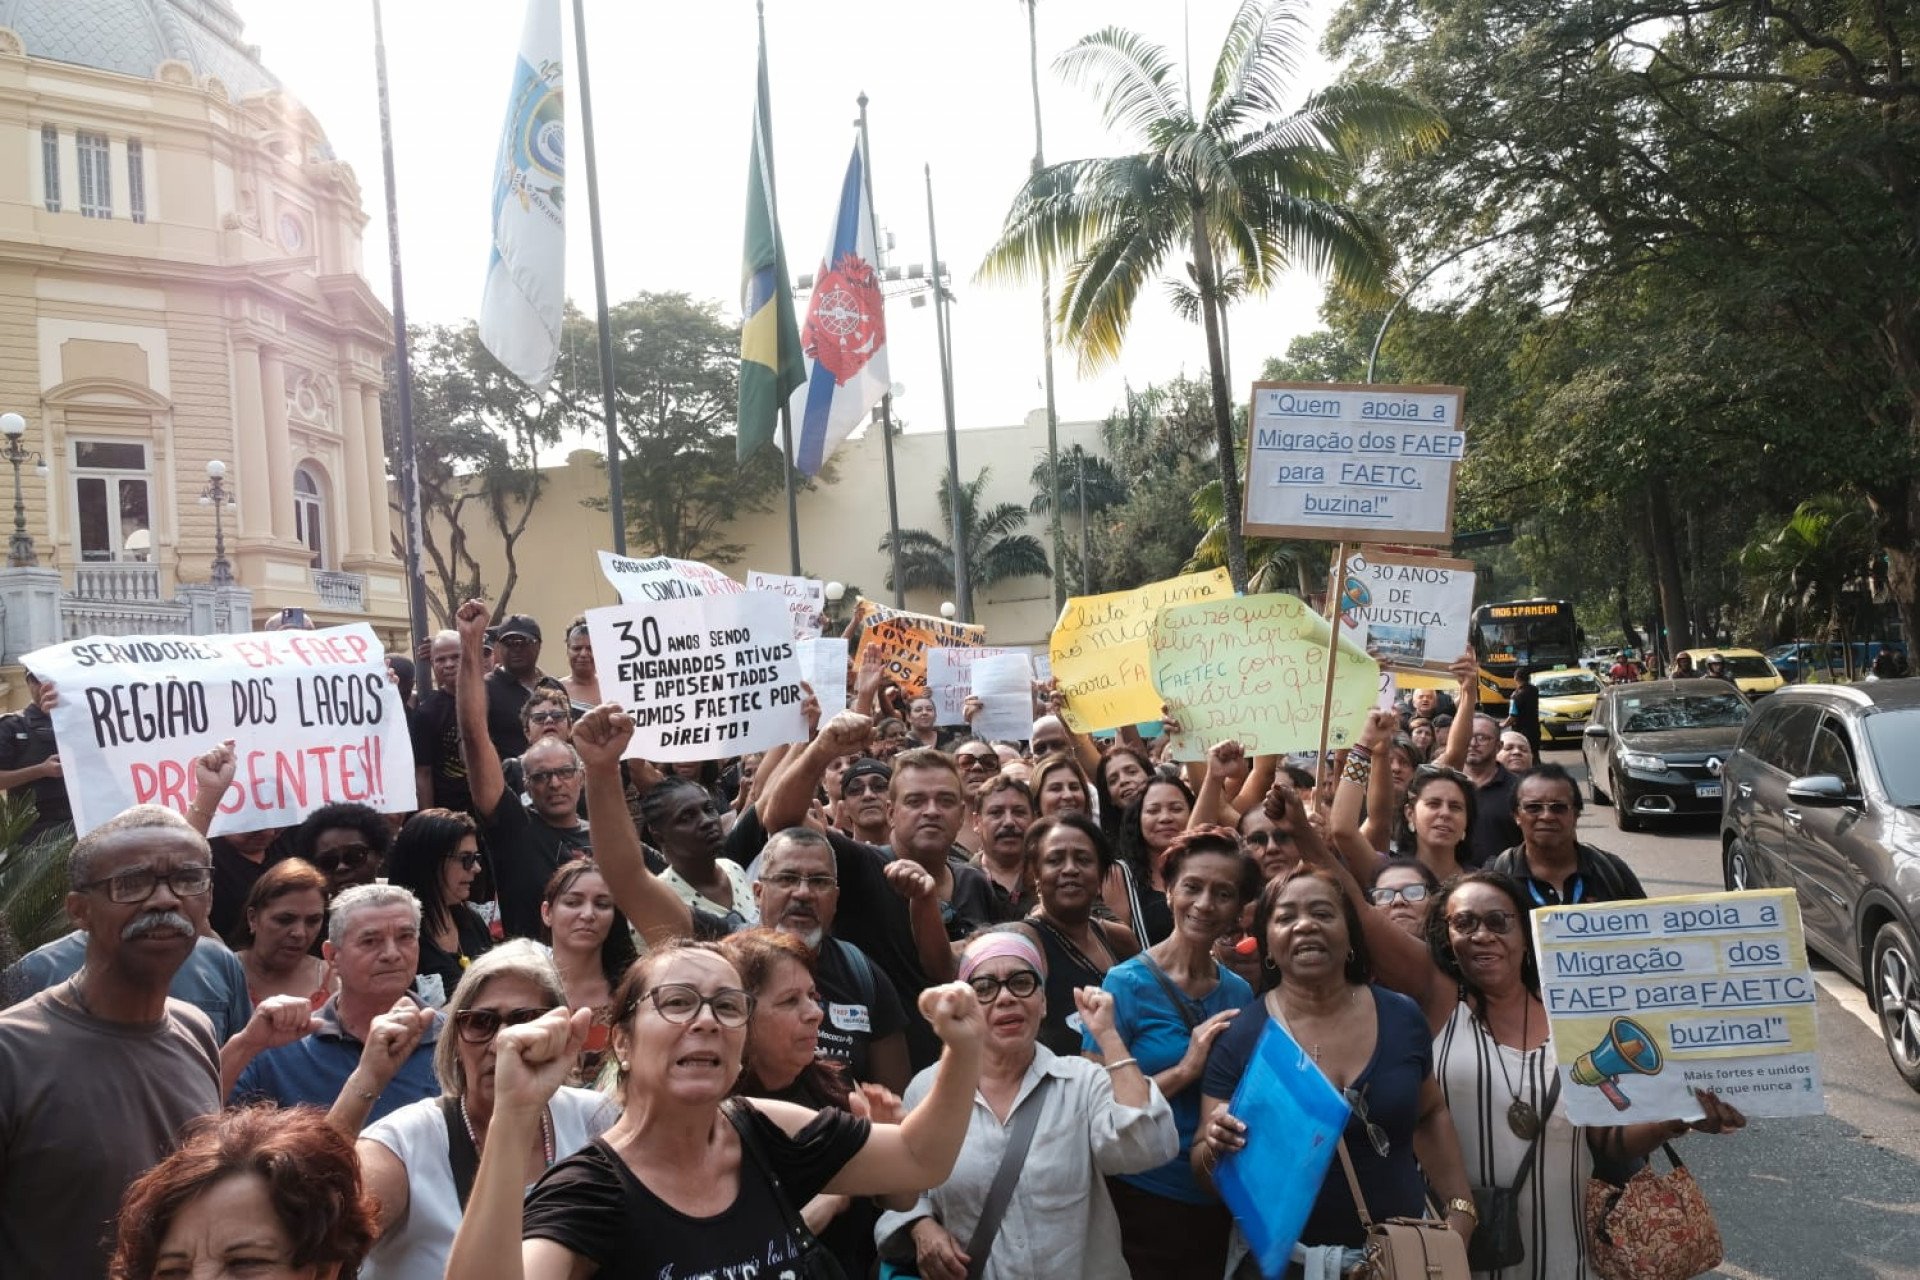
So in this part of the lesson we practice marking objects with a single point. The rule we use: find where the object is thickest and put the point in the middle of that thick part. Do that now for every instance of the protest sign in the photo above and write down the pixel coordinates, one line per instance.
(703, 677)
(1355, 463)
(313, 718)
(806, 598)
(904, 640)
(1410, 612)
(950, 679)
(823, 665)
(1651, 999)
(1254, 669)
(1004, 684)
(1101, 651)
(664, 578)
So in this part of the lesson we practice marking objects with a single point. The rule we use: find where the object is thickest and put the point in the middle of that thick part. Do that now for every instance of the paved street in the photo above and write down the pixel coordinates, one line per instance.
(1834, 1196)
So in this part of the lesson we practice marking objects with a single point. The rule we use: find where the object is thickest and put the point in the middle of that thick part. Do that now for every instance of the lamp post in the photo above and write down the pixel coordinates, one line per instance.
(20, 553)
(217, 496)
(947, 610)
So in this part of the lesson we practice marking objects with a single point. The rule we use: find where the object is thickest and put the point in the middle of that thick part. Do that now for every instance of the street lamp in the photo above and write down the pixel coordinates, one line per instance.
(946, 610)
(20, 553)
(217, 496)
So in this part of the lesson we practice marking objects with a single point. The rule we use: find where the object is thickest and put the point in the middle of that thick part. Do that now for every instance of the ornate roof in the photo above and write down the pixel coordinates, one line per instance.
(133, 37)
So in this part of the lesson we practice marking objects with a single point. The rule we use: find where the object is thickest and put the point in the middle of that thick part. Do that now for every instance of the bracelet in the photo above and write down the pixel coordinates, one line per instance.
(1464, 1207)
(1359, 751)
(1124, 1062)
(1358, 769)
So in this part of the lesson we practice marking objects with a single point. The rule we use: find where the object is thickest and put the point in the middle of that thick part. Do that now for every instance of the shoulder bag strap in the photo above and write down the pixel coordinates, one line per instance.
(1133, 903)
(1181, 1004)
(1526, 1161)
(1026, 1119)
(461, 1153)
(1353, 1184)
(736, 1110)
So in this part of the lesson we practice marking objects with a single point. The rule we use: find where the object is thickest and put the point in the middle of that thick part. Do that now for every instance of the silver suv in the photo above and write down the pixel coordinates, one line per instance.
(1823, 797)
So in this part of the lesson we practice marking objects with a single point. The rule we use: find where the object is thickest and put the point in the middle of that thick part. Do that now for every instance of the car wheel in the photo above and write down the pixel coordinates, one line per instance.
(1896, 992)
(1623, 815)
(1738, 868)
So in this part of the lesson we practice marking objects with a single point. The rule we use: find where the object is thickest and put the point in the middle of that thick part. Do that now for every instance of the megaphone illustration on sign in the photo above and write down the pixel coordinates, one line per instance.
(1629, 1049)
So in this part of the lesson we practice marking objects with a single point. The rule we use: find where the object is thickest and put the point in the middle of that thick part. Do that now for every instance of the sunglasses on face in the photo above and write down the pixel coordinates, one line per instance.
(969, 760)
(548, 717)
(1022, 982)
(1383, 895)
(548, 776)
(467, 861)
(1468, 923)
(860, 787)
(680, 1003)
(136, 884)
(478, 1026)
(1538, 807)
(350, 856)
(514, 642)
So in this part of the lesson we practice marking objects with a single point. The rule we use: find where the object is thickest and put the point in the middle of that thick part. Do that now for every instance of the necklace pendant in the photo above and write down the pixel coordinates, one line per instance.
(1523, 1120)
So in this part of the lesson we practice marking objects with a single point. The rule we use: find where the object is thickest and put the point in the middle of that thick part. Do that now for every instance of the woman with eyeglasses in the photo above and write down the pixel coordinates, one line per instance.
(285, 913)
(1404, 890)
(1170, 1003)
(419, 1162)
(591, 947)
(1372, 1044)
(1067, 857)
(436, 856)
(347, 842)
(1093, 1121)
(690, 1182)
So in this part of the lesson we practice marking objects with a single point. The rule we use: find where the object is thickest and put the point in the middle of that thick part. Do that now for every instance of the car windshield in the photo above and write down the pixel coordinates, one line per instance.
(1755, 668)
(1893, 738)
(1684, 711)
(1566, 686)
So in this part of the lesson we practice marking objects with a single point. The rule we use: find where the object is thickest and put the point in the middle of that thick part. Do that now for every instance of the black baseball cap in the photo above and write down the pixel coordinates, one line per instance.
(518, 624)
(863, 767)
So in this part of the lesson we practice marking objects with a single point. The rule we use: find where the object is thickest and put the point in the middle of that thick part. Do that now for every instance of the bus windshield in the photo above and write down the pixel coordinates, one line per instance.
(1525, 633)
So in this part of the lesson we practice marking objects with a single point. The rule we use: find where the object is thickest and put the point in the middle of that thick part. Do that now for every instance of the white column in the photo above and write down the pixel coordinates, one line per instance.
(381, 518)
(252, 484)
(353, 431)
(273, 396)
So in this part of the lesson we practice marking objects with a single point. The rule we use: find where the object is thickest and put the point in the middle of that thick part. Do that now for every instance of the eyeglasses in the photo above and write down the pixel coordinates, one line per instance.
(1383, 895)
(136, 884)
(1376, 1136)
(678, 1002)
(467, 861)
(1022, 982)
(514, 642)
(350, 856)
(1257, 839)
(975, 760)
(860, 787)
(788, 881)
(546, 777)
(1047, 748)
(1538, 807)
(1467, 923)
(548, 717)
(478, 1026)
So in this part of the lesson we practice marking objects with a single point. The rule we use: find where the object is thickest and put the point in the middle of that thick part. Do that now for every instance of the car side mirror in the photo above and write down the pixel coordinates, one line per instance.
(1596, 731)
(1820, 791)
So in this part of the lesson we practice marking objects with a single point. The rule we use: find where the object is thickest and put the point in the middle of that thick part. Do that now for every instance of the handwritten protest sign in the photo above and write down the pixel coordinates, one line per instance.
(950, 679)
(1411, 612)
(904, 639)
(1254, 669)
(1651, 999)
(823, 665)
(1102, 654)
(1004, 684)
(312, 715)
(664, 578)
(703, 677)
(806, 598)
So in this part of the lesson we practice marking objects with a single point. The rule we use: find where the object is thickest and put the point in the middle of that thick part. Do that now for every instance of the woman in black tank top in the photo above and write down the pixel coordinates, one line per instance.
(1068, 855)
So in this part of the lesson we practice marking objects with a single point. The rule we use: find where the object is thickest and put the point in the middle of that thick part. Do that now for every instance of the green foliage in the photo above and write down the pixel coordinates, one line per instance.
(33, 879)
(996, 549)
(1812, 574)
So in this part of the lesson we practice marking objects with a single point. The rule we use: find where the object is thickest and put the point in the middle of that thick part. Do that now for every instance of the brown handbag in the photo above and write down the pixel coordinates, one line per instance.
(1405, 1248)
(1656, 1227)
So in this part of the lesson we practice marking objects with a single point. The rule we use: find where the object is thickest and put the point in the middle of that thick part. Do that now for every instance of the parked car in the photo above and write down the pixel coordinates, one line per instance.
(1749, 668)
(1566, 702)
(1800, 661)
(1822, 795)
(1659, 745)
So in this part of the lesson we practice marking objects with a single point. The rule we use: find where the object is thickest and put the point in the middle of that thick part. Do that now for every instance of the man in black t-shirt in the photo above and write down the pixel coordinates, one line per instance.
(1523, 709)
(30, 759)
(440, 775)
(1493, 785)
(863, 1024)
(509, 686)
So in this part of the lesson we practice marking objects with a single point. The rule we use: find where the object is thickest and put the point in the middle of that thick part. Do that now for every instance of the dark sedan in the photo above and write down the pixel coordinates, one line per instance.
(1659, 747)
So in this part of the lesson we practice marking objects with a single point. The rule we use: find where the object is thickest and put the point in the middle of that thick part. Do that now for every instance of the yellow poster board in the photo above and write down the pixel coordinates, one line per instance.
(1102, 649)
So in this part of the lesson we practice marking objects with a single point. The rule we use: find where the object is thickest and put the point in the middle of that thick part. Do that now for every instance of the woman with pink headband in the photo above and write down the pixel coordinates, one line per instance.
(1100, 1119)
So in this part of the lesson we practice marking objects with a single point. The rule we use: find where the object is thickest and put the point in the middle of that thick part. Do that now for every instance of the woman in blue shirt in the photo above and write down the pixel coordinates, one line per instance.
(1170, 1002)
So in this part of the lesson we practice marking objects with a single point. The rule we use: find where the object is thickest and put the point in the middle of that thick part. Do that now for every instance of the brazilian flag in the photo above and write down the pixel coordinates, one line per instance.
(771, 364)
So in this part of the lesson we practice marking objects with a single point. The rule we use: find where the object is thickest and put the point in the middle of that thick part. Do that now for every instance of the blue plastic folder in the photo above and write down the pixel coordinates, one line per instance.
(1294, 1118)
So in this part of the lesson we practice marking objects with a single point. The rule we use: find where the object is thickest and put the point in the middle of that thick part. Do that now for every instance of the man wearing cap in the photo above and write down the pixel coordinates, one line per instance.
(513, 682)
(30, 761)
(862, 810)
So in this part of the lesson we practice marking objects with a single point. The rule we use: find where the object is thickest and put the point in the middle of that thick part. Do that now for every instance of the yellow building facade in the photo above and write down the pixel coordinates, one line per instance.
(181, 283)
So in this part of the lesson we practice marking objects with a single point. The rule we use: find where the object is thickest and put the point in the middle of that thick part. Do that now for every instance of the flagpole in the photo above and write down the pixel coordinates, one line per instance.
(886, 401)
(615, 497)
(962, 584)
(786, 405)
(402, 367)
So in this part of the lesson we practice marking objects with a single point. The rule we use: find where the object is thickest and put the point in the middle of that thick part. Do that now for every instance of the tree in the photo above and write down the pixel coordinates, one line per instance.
(1247, 188)
(1086, 485)
(1805, 570)
(996, 549)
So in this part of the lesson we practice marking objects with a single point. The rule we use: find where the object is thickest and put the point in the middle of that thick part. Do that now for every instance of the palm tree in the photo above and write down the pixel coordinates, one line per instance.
(1084, 482)
(1246, 189)
(1805, 570)
(1276, 564)
(996, 549)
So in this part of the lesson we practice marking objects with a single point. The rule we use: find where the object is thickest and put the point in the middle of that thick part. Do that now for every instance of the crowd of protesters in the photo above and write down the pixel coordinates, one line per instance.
(892, 997)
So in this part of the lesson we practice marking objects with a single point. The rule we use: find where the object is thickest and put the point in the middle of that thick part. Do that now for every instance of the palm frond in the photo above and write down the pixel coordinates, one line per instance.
(1132, 78)
(1262, 52)
(1098, 291)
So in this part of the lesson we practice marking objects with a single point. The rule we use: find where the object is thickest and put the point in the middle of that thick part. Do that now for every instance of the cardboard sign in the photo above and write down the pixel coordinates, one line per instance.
(806, 598)
(1649, 1000)
(904, 640)
(1355, 463)
(1102, 653)
(950, 680)
(1410, 612)
(1254, 669)
(823, 665)
(313, 717)
(664, 578)
(703, 677)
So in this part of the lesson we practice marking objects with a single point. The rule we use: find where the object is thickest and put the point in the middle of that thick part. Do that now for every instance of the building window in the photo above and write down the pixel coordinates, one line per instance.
(136, 181)
(309, 516)
(112, 491)
(50, 165)
(96, 175)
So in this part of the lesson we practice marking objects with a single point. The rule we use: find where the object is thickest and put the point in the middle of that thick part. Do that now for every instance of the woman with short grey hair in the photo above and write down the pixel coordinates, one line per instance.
(419, 1162)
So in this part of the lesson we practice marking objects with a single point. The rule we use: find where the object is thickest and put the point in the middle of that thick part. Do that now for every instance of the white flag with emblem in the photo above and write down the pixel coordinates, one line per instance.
(526, 293)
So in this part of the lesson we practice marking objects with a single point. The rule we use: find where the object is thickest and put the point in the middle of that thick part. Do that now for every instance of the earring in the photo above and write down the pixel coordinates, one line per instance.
(1352, 955)
(623, 1066)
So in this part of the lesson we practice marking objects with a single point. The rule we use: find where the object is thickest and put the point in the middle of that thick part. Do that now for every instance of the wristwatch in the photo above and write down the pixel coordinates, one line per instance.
(1458, 1205)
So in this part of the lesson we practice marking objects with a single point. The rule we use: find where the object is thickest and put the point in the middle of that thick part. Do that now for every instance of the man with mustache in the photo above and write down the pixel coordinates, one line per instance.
(1002, 812)
(863, 1023)
(99, 1073)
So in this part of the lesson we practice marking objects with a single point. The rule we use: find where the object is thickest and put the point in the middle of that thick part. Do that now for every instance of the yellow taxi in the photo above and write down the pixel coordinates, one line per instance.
(1566, 702)
(1752, 674)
